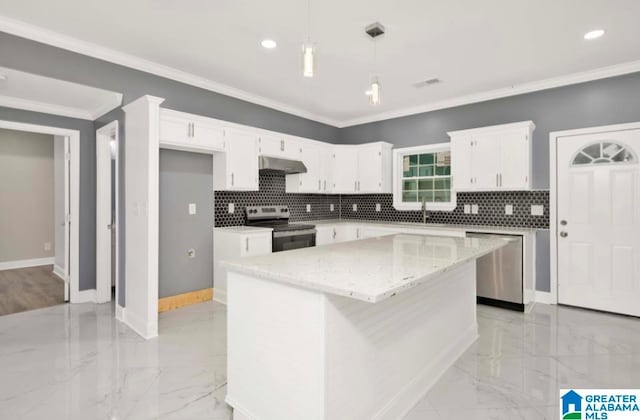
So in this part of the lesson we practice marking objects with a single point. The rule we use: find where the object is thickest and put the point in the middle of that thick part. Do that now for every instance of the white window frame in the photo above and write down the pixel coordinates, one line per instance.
(398, 155)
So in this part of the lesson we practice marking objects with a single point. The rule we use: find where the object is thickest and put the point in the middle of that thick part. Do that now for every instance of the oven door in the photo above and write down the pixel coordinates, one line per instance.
(293, 239)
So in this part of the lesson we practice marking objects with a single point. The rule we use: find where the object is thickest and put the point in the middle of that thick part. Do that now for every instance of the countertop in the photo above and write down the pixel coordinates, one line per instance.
(371, 269)
(466, 228)
(243, 229)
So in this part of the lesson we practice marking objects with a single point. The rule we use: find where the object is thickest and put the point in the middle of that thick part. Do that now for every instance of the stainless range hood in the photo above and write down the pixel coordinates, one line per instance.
(287, 166)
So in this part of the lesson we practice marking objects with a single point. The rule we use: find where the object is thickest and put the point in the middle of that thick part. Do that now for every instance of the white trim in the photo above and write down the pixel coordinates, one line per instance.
(550, 83)
(35, 262)
(64, 111)
(120, 312)
(553, 191)
(544, 297)
(104, 135)
(73, 271)
(220, 295)
(56, 39)
(59, 272)
(398, 204)
(85, 296)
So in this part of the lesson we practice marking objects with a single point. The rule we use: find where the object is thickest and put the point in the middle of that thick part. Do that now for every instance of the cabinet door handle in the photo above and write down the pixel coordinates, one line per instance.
(355, 185)
(334, 233)
(501, 180)
(319, 185)
(193, 129)
(282, 145)
(246, 244)
(232, 178)
(325, 185)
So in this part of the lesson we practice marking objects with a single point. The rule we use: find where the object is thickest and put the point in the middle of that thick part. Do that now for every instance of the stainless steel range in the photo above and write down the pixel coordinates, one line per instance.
(286, 236)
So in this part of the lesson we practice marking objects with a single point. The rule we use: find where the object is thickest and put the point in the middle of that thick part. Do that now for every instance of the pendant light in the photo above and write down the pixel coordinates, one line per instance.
(374, 31)
(308, 49)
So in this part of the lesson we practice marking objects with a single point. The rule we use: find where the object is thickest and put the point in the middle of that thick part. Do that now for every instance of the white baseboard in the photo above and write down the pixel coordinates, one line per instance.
(120, 313)
(84, 296)
(220, 296)
(12, 265)
(544, 297)
(59, 271)
(142, 328)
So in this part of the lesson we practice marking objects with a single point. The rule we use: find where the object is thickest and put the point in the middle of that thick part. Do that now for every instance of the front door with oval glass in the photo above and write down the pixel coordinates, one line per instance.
(598, 221)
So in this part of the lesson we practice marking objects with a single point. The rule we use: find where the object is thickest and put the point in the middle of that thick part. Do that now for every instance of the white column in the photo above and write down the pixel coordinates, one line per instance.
(141, 209)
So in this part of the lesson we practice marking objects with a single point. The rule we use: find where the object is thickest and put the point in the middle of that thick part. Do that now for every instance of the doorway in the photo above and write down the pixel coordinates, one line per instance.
(40, 242)
(596, 218)
(107, 146)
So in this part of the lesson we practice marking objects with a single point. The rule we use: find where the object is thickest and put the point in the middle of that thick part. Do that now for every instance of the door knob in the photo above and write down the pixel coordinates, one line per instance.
(564, 234)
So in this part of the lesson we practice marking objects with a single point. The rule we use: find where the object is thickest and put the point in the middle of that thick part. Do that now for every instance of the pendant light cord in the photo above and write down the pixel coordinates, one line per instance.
(309, 20)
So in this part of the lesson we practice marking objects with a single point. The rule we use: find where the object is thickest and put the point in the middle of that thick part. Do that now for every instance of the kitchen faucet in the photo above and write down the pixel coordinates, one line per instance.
(425, 215)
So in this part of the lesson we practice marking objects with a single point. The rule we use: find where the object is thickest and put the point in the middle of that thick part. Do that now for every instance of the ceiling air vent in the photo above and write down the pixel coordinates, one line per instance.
(374, 30)
(428, 82)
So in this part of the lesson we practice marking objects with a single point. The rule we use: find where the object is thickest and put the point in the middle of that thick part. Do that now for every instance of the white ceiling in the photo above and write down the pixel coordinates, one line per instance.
(42, 94)
(480, 49)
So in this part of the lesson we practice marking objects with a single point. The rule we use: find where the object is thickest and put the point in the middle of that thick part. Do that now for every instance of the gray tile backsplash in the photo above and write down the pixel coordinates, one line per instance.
(491, 206)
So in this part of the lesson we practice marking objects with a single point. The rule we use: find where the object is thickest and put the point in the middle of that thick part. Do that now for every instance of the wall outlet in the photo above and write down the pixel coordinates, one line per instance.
(378, 207)
(474, 209)
(232, 208)
(467, 208)
(308, 208)
(192, 209)
(47, 246)
(191, 253)
(331, 207)
(537, 210)
(508, 209)
(355, 207)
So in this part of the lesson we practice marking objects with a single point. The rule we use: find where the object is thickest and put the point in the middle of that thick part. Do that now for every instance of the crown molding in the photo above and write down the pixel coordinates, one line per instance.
(56, 39)
(554, 82)
(63, 111)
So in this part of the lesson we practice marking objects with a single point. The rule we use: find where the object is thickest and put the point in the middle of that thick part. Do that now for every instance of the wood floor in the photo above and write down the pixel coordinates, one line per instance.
(30, 288)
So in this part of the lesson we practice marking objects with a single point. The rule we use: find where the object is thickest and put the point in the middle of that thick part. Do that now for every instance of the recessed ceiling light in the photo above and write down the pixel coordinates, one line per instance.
(596, 33)
(269, 43)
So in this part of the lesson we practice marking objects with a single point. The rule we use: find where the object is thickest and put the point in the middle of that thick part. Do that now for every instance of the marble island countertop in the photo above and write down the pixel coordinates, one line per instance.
(391, 224)
(371, 269)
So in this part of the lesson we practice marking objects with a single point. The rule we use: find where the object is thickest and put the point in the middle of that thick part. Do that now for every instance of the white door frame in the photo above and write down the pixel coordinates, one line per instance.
(72, 227)
(554, 138)
(104, 136)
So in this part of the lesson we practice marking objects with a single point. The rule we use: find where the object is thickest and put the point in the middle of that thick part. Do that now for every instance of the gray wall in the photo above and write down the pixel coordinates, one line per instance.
(185, 178)
(59, 194)
(87, 216)
(30, 56)
(602, 102)
(26, 196)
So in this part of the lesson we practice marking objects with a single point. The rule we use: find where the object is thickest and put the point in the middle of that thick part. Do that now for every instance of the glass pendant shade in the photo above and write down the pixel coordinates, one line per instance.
(374, 98)
(308, 59)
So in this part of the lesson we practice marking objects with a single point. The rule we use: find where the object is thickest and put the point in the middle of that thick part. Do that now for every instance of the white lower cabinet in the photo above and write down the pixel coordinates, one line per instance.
(235, 242)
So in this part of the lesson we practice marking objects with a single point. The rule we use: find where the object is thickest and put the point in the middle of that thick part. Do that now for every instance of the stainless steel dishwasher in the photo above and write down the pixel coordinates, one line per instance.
(499, 274)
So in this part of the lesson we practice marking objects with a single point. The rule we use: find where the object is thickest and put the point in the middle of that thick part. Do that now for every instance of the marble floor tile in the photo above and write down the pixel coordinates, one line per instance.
(78, 362)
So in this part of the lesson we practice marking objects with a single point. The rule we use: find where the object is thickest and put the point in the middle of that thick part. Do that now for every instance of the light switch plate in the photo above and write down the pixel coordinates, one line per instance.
(467, 208)
(378, 207)
(192, 209)
(474, 209)
(308, 208)
(537, 210)
(508, 209)
(355, 207)
(47, 246)
(232, 208)
(331, 208)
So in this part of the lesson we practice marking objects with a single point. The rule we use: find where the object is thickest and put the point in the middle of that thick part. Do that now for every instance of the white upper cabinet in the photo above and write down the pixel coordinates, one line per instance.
(374, 168)
(237, 168)
(310, 154)
(345, 169)
(181, 131)
(492, 158)
(278, 145)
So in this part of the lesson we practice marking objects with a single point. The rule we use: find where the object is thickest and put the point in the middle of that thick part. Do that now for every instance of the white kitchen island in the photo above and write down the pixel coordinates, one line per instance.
(356, 330)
